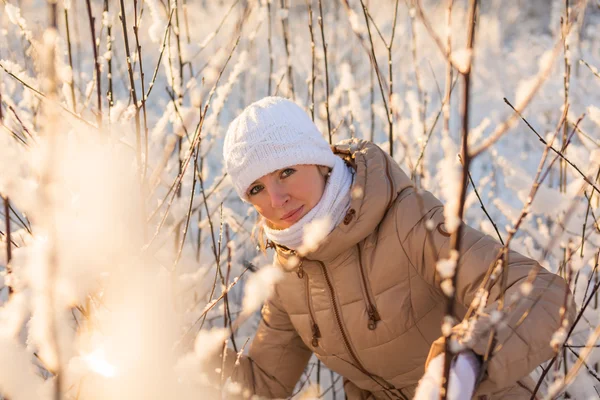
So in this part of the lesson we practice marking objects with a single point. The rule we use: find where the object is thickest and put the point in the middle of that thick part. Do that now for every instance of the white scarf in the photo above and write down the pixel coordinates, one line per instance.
(331, 209)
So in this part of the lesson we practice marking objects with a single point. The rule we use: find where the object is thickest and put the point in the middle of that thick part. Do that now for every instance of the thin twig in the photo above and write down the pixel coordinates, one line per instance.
(8, 238)
(160, 55)
(109, 40)
(431, 129)
(138, 146)
(564, 31)
(96, 64)
(44, 97)
(211, 305)
(72, 80)
(558, 152)
(593, 69)
(575, 369)
(196, 138)
(136, 28)
(311, 86)
(286, 41)
(376, 66)
(321, 25)
(270, 46)
(502, 128)
(216, 32)
(537, 181)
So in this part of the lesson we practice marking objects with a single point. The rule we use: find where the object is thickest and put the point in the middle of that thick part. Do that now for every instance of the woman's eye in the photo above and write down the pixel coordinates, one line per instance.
(287, 172)
(255, 190)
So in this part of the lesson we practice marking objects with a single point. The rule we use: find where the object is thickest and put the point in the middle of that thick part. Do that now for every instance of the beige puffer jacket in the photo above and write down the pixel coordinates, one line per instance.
(368, 302)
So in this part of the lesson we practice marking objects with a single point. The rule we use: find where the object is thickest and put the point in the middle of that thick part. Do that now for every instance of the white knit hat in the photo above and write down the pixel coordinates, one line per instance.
(271, 134)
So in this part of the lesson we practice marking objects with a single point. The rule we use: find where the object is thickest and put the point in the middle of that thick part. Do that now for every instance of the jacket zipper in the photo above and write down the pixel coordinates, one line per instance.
(371, 309)
(316, 333)
(338, 319)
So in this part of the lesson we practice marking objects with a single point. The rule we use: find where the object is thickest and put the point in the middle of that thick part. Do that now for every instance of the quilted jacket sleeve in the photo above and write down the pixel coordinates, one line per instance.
(276, 358)
(522, 347)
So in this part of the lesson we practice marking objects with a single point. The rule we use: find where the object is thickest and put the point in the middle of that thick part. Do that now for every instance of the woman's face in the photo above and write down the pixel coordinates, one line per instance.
(288, 194)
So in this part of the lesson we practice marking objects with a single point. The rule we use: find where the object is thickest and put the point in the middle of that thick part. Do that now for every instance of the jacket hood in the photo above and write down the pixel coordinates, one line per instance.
(377, 181)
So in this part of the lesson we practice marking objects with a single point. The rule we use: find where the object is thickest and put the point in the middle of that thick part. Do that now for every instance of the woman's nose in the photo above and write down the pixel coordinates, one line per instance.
(279, 196)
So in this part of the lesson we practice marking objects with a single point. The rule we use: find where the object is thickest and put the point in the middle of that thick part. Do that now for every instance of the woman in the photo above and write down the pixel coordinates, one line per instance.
(367, 299)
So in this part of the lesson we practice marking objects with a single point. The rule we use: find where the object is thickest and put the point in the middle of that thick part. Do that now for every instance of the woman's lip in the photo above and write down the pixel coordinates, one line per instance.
(292, 214)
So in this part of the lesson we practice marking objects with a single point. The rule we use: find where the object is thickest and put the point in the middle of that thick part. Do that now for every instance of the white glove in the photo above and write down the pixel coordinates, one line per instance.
(463, 374)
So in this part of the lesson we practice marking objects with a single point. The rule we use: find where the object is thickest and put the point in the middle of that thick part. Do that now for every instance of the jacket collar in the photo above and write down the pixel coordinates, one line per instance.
(377, 181)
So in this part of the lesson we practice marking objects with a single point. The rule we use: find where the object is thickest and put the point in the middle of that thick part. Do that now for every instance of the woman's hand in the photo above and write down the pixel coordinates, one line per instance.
(463, 375)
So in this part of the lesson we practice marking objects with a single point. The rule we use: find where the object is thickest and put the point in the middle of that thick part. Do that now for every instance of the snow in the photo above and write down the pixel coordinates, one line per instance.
(259, 287)
(461, 59)
(446, 267)
(314, 233)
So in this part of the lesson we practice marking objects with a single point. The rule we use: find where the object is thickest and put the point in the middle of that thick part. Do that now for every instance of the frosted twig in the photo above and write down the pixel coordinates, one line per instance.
(391, 84)
(431, 129)
(594, 70)
(44, 97)
(377, 71)
(489, 217)
(331, 387)
(537, 181)
(47, 180)
(8, 238)
(109, 40)
(564, 31)
(211, 305)
(96, 64)
(575, 369)
(589, 210)
(72, 80)
(438, 41)
(448, 84)
(188, 216)
(502, 128)
(196, 138)
(558, 152)
(590, 370)
(307, 372)
(227, 312)
(585, 135)
(365, 47)
(162, 51)
(138, 144)
(187, 27)
(311, 86)
(389, 392)
(25, 129)
(593, 273)
(575, 322)
(420, 92)
(136, 28)
(15, 135)
(286, 41)
(270, 46)
(216, 249)
(321, 25)
(214, 34)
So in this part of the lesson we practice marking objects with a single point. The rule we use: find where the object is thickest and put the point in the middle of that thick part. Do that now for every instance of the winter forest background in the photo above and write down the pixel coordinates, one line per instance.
(126, 257)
